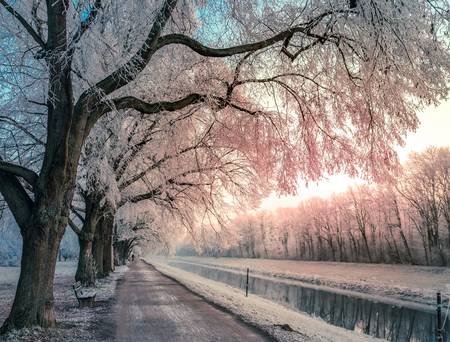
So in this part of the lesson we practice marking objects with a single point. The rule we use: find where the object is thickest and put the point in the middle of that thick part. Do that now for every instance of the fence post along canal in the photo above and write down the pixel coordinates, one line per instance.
(246, 284)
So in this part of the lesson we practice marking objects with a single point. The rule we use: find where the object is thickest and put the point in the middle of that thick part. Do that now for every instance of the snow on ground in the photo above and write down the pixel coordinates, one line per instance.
(413, 284)
(269, 316)
(73, 323)
(9, 275)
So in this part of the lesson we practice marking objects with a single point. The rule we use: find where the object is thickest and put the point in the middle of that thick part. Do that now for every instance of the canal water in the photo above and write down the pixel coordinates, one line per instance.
(382, 320)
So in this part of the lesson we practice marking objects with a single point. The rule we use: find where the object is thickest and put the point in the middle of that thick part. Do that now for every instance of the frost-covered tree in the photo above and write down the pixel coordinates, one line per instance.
(340, 83)
(425, 186)
(148, 228)
(401, 221)
(183, 162)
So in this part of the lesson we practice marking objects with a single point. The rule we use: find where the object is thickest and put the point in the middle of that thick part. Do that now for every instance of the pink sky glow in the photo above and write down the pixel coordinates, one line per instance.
(434, 130)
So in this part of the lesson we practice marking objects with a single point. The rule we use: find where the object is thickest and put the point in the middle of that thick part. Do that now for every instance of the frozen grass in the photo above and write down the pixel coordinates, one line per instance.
(267, 315)
(9, 275)
(73, 323)
(414, 284)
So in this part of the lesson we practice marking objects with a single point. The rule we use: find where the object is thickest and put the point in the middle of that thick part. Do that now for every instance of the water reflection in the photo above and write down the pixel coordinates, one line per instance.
(377, 319)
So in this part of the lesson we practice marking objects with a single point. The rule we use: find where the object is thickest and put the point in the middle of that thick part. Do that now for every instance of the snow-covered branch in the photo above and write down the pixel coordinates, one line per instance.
(137, 63)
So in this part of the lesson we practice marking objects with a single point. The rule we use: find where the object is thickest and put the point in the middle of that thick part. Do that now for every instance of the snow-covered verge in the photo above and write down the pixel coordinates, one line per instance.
(276, 320)
(414, 284)
(73, 323)
(9, 275)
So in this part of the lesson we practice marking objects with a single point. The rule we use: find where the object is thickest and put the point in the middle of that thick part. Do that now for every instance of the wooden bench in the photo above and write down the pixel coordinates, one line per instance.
(84, 300)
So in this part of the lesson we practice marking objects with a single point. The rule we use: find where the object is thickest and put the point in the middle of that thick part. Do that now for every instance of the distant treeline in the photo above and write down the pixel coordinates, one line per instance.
(407, 222)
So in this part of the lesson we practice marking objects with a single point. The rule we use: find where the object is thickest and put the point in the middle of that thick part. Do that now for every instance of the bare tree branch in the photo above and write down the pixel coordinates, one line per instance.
(20, 126)
(74, 227)
(130, 102)
(16, 170)
(17, 199)
(171, 181)
(77, 214)
(153, 166)
(24, 23)
(284, 36)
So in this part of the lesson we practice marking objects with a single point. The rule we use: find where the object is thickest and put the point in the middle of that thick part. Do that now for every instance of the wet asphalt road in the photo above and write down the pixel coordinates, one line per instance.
(152, 307)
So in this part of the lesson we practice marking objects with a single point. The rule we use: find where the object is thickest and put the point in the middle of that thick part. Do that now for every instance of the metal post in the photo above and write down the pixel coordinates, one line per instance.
(439, 330)
(246, 285)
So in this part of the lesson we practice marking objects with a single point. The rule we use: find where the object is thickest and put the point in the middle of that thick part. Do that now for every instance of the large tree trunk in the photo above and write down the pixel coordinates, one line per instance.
(108, 255)
(86, 270)
(97, 249)
(48, 215)
(119, 253)
(122, 251)
(53, 192)
(102, 248)
(33, 302)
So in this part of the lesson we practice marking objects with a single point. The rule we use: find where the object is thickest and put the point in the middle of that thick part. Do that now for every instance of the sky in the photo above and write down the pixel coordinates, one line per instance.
(434, 130)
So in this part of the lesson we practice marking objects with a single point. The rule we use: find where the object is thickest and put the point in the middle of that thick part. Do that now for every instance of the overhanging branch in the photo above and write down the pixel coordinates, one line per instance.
(130, 70)
(17, 199)
(74, 227)
(158, 190)
(130, 102)
(283, 36)
(16, 170)
(77, 214)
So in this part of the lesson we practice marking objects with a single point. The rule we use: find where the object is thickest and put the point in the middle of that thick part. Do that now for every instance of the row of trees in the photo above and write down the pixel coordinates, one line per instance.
(113, 116)
(174, 167)
(404, 222)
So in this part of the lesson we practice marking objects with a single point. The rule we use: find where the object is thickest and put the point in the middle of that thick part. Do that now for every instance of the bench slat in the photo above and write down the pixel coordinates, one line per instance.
(79, 293)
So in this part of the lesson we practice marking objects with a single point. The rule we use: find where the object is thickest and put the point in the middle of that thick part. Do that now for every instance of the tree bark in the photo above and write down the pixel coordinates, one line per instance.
(53, 193)
(86, 269)
(43, 219)
(97, 249)
(108, 253)
(33, 302)
(103, 245)
(120, 252)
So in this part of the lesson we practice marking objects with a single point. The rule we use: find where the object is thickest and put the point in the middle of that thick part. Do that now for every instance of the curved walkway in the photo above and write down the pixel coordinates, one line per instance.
(152, 307)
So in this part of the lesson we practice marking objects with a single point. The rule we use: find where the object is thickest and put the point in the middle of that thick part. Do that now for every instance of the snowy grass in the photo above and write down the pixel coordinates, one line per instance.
(267, 315)
(414, 284)
(9, 275)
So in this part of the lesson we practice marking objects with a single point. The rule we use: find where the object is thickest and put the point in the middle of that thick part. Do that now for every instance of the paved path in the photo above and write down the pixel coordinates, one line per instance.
(152, 307)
